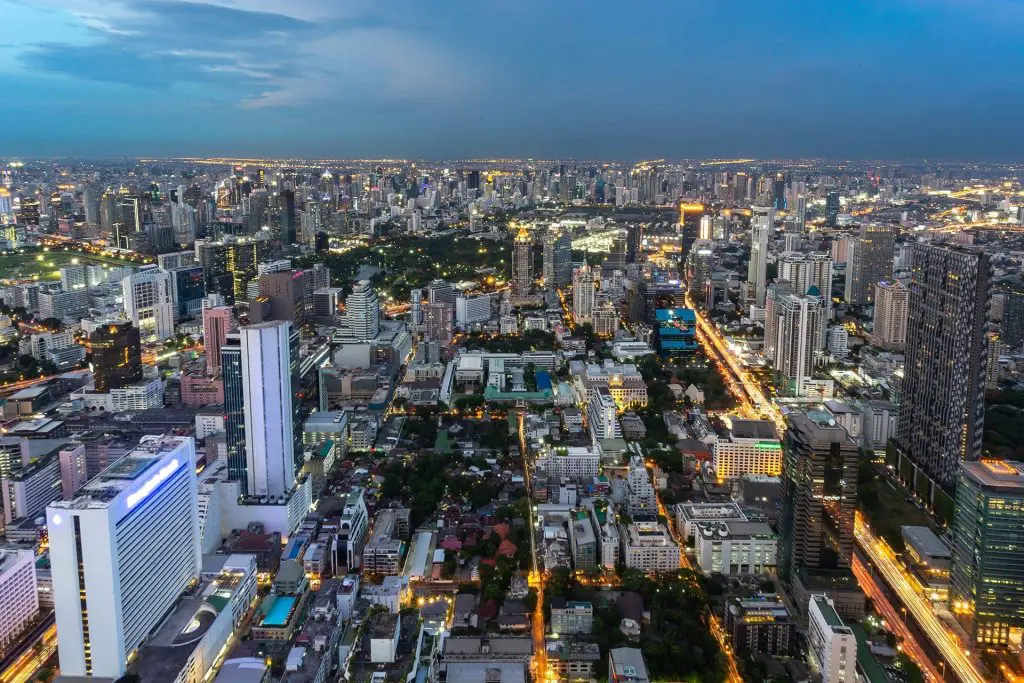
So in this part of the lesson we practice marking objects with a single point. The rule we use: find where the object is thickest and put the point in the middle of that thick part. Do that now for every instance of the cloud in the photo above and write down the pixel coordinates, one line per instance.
(258, 53)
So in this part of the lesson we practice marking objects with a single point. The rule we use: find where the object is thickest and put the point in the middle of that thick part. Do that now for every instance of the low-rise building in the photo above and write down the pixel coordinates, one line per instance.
(735, 547)
(627, 665)
(383, 552)
(749, 447)
(649, 547)
(572, 660)
(572, 617)
(760, 626)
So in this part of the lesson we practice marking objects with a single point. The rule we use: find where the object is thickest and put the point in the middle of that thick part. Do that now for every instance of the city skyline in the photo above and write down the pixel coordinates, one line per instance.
(900, 80)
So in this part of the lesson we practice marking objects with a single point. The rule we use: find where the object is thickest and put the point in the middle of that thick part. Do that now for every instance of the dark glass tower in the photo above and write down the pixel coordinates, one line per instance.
(116, 355)
(234, 408)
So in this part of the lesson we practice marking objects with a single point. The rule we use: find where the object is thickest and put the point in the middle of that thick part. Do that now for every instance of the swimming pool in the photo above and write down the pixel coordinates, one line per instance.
(279, 611)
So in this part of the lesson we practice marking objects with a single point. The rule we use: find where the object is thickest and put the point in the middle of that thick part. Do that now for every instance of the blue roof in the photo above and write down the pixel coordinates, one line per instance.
(543, 380)
(670, 314)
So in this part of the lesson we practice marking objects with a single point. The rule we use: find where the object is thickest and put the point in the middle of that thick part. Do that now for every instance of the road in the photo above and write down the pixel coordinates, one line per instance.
(536, 578)
(740, 382)
(24, 668)
(894, 621)
(958, 660)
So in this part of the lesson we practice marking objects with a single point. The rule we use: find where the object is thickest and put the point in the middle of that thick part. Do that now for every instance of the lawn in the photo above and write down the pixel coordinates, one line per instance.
(45, 265)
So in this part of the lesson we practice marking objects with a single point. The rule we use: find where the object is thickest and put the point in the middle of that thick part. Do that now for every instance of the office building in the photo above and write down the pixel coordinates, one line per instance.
(19, 595)
(362, 312)
(149, 304)
(798, 330)
(735, 548)
(946, 358)
(819, 492)
(522, 264)
(571, 617)
(471, 310)
(584, 294)
(188, 289)
(285, 294)
(122, 551)
(27, 489)
(267, 355)
(557, 259)
(986, 575)
(869, 262)
(762, 226)
(831, 645)
(649, 547)
(218, 323)
(891, 308)
(116, 355)
(760, 626)
(748, 447)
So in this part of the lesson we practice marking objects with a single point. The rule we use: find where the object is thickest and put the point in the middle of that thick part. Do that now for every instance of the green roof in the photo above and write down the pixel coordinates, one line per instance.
(442, 443)
(218, 602)
(872, 670)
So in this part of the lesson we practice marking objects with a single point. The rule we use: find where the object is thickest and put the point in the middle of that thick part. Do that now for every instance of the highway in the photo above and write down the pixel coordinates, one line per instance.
(24, 668)
(740, 382)
(958, 660)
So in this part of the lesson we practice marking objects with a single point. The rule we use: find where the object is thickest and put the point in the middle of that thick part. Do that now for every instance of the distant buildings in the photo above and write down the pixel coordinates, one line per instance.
(762, 226)
(946, 356)
(522, 263)
(557, 259)
(869, 262)
(891, 308)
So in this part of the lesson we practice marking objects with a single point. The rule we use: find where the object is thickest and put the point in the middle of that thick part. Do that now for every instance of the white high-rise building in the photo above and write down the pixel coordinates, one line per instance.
(149, 304)
(19, 595)
(267, 397)
(831, 644)
(798, 329)
(472, 309)
(122, 551)
(807, 272)
(890, 328)
(583, 294)
(602, 418)
(362, 311)
(762, 224)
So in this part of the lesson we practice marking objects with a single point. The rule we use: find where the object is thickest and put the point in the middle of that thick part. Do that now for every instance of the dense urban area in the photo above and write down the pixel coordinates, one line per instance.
(511, 421)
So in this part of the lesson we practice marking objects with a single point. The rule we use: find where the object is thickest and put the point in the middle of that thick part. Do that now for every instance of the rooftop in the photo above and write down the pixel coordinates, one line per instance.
(1005, 475)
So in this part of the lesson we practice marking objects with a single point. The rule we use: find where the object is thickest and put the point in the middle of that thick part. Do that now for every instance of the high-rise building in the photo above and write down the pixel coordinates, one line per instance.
(19, 595)
(437, 323)
(218, 323)
(285, 293)
(890, 325)
(267, 368)
(1013, 315)
(234, 407)
(832, 646)
(602, 415)
(807, 271)
(819, 492)
(869, 261)
(797, 329)
(583, 294)
(122, 551)
(832, 208)
(522, 263)
(558, 259)
(762, 224)
(987, 577)
(188, 289)
(116, 355)
(362, 311)
(942, 395)
(634, 241)
(416, 306)
(149, 303)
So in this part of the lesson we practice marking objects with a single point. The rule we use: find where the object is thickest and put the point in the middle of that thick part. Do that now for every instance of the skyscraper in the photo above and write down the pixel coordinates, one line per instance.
(149, 304)
(583, 294)
(362, 311)
(819, 496)
(832, 208)
(890, 325)
(634, 241)
(942, 395)
(557, 259)
(234, 407)
(116, 355)
(807, 273)
(218, 322)
(122, 551)
(869, 262)
(799, 330)
(1013, 314)
(987, 577)
(522, 263)
(762, 224)
(266, 354)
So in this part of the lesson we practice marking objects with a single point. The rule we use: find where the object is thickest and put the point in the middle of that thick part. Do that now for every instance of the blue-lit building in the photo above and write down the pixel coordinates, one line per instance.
(677, 331)
(188, 287)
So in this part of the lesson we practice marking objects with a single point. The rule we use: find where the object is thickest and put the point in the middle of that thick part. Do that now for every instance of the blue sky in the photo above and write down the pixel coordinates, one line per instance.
(543, 78)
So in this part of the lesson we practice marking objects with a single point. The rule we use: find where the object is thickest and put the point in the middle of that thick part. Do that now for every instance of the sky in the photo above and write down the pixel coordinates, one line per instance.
(586, 79)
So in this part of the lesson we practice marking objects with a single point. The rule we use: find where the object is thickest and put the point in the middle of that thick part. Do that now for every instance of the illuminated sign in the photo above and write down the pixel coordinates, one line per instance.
(153, 482)
(773, 445)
